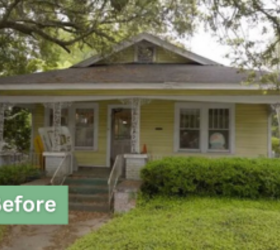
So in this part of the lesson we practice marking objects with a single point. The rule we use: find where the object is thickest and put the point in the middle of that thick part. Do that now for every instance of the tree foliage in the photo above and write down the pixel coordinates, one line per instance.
(17, 128)
(31, 27)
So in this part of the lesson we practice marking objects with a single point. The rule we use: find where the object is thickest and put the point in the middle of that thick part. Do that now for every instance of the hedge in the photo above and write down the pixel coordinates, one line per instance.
(18, 174)
(230, 177)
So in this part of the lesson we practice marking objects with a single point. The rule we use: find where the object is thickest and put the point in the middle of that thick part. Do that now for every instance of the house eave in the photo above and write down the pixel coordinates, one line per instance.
(132, 86)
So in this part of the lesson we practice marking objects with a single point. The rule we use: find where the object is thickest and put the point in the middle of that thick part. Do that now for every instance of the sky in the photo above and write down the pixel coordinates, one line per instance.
(205, 45)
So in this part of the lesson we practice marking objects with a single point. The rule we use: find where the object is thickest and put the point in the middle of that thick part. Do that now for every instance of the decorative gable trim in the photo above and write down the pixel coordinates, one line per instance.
(154, 40)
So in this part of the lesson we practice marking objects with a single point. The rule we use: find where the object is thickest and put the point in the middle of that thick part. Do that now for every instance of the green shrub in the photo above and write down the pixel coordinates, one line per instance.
(230, 177)
(275, 145)
(18, 174)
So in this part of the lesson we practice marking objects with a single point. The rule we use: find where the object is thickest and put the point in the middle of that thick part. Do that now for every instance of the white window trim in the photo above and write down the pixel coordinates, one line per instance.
(71, 125)
(204, 130)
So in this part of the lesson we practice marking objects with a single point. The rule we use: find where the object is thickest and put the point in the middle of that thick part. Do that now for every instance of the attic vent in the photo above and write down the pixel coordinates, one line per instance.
(145, 53)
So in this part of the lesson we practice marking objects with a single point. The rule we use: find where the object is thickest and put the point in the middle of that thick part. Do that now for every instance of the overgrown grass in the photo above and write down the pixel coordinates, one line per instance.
(191, 223)
(2, 232)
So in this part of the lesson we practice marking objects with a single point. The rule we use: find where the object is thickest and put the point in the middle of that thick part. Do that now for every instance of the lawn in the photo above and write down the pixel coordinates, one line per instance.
(2, 232)
(191, 223)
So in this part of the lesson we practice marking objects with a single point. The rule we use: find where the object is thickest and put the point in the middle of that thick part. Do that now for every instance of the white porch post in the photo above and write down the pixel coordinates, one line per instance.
(135, 130)
(135, 161)
(135, 104)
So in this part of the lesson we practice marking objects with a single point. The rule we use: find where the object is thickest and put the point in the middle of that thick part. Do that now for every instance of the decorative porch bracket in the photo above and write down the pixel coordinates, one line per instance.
(56, 109)
(135, 104)
(3, 107)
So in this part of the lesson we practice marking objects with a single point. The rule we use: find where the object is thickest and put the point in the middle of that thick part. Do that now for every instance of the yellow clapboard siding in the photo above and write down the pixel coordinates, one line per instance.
(166, 56)
(250, 131)
(38, 118)
(125, 56)
(161, 56)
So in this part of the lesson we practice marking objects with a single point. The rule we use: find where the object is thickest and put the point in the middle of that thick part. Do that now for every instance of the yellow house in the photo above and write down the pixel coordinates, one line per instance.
(147, 94)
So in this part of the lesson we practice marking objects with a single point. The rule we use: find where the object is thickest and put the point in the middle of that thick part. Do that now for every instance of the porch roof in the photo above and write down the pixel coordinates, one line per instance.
(133, 73)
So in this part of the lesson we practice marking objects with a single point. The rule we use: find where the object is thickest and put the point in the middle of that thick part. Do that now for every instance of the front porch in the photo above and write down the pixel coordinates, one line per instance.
(99, 128)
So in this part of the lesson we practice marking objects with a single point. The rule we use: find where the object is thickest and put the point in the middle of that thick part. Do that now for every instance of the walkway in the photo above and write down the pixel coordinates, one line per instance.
(38, 237)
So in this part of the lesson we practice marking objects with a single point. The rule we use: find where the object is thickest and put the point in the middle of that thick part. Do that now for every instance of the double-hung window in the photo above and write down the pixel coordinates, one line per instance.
(204, 128)
(82, 121)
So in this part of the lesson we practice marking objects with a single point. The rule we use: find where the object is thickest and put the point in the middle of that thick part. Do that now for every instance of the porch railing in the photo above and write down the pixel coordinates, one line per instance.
(64, 169)
(16, 158)
(115, 174)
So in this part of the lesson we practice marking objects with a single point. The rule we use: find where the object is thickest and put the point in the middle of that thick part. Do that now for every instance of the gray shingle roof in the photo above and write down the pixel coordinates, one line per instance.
(133, 73)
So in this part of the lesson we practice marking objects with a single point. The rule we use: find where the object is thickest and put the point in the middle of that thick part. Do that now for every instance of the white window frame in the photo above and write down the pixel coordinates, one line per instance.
(204, 129)
(72, 123)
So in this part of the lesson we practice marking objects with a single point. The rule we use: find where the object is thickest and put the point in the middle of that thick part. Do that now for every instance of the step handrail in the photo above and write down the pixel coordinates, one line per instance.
(114, 176)
(62, 172)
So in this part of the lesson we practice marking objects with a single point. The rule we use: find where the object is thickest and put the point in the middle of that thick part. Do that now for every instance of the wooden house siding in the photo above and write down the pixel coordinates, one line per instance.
(165, 56)
(161, 56)
(157, 131)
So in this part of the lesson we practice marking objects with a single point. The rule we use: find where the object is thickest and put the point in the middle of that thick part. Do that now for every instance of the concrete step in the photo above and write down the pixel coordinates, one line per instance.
(87, 198)
(87, 189)
(78, 180)
(94, 172)
(90, 207)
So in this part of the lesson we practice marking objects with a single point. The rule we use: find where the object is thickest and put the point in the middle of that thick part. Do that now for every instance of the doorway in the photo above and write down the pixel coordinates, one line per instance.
(120, 132)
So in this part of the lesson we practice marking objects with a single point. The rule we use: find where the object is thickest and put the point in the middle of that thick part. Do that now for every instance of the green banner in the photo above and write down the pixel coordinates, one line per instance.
(33, 205)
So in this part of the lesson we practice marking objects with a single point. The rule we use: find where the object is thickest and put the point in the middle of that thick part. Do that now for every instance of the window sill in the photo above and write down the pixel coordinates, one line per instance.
(209, 152)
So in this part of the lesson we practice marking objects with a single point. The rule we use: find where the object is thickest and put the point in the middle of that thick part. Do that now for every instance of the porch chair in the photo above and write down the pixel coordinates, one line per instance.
(65, 144)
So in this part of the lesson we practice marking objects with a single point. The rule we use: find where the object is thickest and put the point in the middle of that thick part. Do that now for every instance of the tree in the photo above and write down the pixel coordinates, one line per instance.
(30, 28)
(17, 128)
(251, 28)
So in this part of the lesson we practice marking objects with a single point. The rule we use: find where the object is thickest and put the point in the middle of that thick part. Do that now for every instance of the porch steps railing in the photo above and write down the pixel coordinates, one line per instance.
(115, 174)
(64, 169)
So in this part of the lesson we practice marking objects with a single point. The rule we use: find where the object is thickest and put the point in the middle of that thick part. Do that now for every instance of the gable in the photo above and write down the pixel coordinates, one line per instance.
(165, 52)
(129, 55)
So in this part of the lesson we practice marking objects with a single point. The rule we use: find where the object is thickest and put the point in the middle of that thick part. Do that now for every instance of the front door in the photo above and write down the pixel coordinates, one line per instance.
(120, 132)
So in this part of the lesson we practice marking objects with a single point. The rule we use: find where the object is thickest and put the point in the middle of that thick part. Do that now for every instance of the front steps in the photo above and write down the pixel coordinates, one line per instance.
(88, 190)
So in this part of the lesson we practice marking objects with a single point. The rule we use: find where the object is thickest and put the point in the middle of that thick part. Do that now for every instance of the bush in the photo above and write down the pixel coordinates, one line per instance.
(275, 145)
(230, 177)
(18, 174)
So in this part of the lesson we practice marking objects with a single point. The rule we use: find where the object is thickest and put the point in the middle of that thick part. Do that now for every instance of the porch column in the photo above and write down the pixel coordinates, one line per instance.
(135, 104)
(56, 109)
(135, 161)
(3, 107)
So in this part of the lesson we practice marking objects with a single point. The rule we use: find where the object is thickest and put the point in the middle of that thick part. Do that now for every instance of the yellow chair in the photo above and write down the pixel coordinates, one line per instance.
(39, 149)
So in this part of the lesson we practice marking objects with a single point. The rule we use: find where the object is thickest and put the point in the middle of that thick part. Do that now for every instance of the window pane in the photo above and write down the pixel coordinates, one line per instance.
(122, 124)
(190, 118)
(189, 128)
(219, 139)
(84, 128)
(218, 118)
(189, 139)
(218, 129)
(64, 117)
